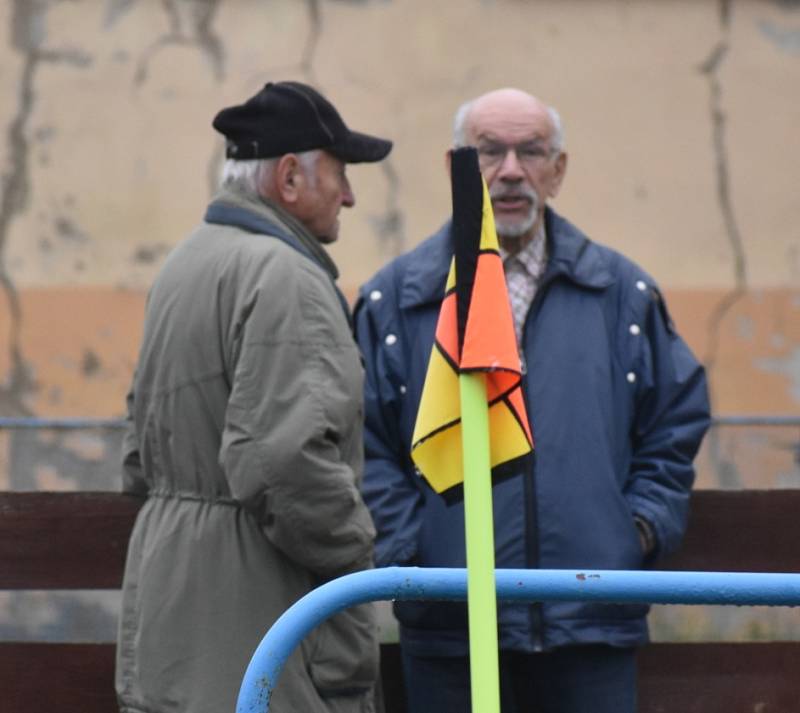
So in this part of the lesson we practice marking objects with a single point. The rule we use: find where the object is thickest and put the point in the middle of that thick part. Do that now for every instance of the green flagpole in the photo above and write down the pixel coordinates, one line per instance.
(479, 532)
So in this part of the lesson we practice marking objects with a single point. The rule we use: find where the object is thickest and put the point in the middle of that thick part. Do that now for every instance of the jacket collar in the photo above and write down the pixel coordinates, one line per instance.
(260, 215)
(571, 255)
(426, 270)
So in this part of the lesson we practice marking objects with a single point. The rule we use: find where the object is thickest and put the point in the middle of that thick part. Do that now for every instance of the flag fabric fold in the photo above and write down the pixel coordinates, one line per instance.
(474, 333)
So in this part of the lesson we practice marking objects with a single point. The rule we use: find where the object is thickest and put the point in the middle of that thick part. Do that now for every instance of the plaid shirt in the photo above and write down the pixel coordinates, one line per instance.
(523, 272)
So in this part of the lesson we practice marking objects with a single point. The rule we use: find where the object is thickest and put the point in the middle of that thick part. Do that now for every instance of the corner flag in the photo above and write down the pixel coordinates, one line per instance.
(475, 333)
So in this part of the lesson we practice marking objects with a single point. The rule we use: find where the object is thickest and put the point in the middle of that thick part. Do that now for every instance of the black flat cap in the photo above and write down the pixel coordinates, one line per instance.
(290, 117)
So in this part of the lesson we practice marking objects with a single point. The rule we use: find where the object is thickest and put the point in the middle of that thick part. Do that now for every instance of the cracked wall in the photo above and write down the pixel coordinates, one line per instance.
(680, 121)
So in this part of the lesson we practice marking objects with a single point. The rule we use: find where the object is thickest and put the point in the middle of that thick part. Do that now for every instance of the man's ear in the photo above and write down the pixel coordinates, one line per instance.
(558, 178)
(289, 179)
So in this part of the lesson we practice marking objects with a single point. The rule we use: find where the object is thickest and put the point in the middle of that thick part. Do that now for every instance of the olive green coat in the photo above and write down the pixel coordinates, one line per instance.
(245, 436)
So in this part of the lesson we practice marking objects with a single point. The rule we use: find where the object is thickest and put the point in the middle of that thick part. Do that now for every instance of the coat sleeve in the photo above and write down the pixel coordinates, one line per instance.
(390, 486)
(133, 480)
(291, 445)
(672, 414)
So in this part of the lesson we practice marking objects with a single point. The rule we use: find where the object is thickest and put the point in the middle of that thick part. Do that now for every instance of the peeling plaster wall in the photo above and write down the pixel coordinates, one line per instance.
(681, 122)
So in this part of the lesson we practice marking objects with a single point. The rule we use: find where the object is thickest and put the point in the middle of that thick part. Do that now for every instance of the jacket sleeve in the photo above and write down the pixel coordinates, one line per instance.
(672, 414)
(291, 445)
(133, 480)
(390, 484)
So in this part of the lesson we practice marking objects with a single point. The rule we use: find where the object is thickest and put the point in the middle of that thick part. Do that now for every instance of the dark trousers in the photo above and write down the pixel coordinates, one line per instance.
(576, 679)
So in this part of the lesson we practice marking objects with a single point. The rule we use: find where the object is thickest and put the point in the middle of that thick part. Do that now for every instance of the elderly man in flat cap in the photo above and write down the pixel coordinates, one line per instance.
(245, 430)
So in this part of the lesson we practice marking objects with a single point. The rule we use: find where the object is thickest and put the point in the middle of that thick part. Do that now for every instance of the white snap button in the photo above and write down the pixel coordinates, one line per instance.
(390, 339)
(634, 329)
(402, 388)
(631, 377)
(375, 295)
(640, 285)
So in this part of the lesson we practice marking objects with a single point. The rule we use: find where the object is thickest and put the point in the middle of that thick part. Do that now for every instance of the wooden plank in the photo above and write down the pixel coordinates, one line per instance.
(720, 678)
(674, 678)
(64, 540)
(740, 531)
(68, 678)
(79, 540)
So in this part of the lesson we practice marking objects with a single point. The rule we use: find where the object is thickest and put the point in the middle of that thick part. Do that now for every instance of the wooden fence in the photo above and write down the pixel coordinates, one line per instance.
(63, 541)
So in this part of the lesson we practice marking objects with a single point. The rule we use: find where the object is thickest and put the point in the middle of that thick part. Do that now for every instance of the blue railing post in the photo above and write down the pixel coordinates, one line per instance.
(408, 583)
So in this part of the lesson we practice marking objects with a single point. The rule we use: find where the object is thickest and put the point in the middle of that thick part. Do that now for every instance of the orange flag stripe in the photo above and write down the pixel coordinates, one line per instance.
(489, 345)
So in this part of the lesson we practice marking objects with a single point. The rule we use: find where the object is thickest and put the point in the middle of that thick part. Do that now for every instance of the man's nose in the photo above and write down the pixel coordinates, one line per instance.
(348, 197)
(510, 169)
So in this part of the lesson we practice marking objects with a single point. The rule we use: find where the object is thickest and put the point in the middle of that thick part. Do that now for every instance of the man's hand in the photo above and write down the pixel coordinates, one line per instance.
(647, 538)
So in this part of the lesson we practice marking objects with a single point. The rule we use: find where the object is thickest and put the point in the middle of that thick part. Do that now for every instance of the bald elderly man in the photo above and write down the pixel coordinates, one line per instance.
(618, 406)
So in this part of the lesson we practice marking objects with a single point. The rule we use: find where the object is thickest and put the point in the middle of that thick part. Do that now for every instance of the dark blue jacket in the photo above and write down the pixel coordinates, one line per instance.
(618, 407)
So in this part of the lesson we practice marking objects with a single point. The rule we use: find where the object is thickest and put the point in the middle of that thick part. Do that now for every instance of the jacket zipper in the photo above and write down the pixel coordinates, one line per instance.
(531, 521)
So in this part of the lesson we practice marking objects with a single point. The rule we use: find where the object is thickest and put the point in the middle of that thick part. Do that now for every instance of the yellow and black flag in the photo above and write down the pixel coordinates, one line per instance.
(475, 333)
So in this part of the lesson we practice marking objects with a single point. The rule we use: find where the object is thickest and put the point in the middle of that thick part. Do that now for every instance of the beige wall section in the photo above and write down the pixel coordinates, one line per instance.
(120, 97)
(681, 122)
(80, 346)
(682, 126)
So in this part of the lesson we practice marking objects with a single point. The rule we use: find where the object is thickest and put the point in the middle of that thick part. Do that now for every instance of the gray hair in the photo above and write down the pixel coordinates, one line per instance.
(247, 176)
(460, 126)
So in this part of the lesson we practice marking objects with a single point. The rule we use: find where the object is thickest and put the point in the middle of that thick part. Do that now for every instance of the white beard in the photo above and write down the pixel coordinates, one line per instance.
(519, 228)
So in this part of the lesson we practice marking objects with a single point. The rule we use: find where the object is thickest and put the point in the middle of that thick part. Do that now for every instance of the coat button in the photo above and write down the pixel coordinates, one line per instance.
(403, 388)
(634, 329)
(375, 295)
(640, 285)
(631, 377)
(390, 339)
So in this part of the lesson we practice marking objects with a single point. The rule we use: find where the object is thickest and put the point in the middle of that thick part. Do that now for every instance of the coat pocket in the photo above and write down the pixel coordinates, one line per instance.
(345, 660)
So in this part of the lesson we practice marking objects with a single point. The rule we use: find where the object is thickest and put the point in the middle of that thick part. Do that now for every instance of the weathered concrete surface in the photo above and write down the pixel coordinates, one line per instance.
(681, 122)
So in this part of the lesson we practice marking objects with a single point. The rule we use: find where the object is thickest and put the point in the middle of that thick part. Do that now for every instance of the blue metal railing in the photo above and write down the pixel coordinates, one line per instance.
(408, 583)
